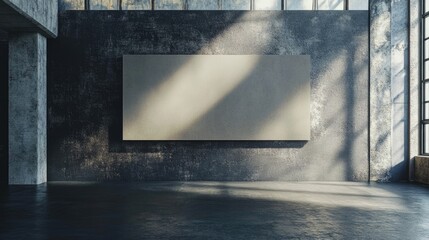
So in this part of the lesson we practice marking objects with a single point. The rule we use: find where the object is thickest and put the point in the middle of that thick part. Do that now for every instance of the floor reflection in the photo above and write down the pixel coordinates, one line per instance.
(215, 210)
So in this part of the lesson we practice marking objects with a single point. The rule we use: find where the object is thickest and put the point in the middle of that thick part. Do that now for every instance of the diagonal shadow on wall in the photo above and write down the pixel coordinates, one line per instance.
(85, 107)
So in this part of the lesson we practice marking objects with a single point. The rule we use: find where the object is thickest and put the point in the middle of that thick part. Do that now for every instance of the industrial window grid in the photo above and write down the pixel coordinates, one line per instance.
(252, 4)
(424, 78)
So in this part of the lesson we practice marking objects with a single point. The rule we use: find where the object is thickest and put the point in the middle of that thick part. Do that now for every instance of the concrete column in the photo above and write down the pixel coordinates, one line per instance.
(389, 105)
(399, 89)
(380, 90)
(27, 108)
(414, 82)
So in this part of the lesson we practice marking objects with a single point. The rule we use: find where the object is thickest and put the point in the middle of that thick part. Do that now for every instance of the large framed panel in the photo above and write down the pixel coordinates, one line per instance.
(216, 97)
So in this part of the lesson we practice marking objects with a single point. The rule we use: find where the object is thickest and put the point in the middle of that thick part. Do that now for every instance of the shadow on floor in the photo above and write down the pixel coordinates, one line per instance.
(214, 210)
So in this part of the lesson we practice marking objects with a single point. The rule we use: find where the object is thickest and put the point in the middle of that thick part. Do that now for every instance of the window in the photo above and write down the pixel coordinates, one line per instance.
(214, 4)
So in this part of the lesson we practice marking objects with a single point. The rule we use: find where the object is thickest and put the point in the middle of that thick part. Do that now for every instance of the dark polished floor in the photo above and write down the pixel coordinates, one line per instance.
(215, 210)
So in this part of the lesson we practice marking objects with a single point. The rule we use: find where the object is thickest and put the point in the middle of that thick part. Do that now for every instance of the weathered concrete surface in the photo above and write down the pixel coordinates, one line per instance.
(27, 108)
(421, 169)
(71, 5)
(104, 5)
(380, 90)
(414, 83)
(4, 101)
(169, 5)
(85, 85)
(136, 4)
(22, 15)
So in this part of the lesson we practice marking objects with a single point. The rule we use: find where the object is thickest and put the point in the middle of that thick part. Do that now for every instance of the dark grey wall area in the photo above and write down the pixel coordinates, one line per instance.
(85, 95)
(4, 54)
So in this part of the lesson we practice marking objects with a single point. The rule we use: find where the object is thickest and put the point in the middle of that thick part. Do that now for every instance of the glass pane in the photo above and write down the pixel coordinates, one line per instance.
(299, 5)
(330, 5)
(71, 5)
(136, 4)
(268, 4)
(426, 33)
(426, 91)
(203, 5)
(426, 138)
(103, 5)
(426, 5)
(235, 5)
(426, 116)
(426, 70)
(169, 4)
(358, 5)
(426, 49)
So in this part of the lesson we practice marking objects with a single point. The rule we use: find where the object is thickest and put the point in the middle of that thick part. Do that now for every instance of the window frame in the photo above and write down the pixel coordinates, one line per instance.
(424, 60)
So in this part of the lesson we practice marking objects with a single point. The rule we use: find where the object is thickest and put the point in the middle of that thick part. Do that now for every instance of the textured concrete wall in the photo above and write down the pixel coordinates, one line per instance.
(85, 85)
(27, 108)
(4, 101)
(380, 86)
(421, 169)
(43, 12)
